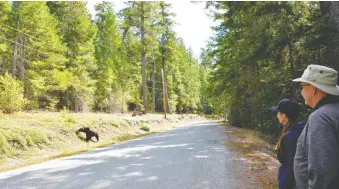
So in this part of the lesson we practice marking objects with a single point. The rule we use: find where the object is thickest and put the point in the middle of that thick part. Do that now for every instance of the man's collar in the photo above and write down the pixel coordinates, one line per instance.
(328, 99)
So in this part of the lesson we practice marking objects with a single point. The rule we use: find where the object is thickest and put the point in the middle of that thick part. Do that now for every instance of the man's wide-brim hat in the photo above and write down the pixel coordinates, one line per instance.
(322, 77)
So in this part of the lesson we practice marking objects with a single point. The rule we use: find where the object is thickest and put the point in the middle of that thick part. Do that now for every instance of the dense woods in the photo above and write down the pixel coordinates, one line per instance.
(259, 48)
(61, 57)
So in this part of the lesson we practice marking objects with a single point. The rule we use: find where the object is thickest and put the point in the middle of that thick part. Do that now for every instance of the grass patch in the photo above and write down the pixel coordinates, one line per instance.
(68, 151)
(17, 139)
(211, 117)
(48, 120)
(114, 123)
(28, 138)
(67, 118)
(70, 119)
(129, 137)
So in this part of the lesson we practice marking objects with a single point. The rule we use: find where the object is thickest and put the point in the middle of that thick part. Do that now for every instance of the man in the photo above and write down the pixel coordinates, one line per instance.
(316, 163)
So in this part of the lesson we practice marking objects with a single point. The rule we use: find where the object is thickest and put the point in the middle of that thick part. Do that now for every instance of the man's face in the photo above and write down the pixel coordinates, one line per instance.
(307, 93)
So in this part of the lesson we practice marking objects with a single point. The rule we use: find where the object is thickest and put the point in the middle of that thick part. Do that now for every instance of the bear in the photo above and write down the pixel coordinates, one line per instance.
(89, 133)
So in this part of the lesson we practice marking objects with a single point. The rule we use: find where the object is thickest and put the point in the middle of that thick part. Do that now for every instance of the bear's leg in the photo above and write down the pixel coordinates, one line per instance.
(88, 137)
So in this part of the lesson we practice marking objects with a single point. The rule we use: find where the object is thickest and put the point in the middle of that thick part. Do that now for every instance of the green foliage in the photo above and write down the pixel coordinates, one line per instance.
(110, 73)
(259, 48)
(66, 117)
(64, 79)
(184, 85)
(64, 58)
(13, 140)
(36, 137)
(146, 128)
(11, 94)
(52, 103)
(74, 23)
(70, 119)
(31, 105)
(5, 147)
(41, 56)
(4, 47)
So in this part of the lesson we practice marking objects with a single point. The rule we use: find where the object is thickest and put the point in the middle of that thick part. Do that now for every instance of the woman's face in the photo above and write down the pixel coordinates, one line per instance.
(282, 118)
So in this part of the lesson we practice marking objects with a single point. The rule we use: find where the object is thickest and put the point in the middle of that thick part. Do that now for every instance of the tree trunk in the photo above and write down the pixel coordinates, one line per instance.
(110, 102)
(123, 96)
(163, 51)
(67, 98)
(292, 70)
(129, 18)
(153, 86)
(143, 58)
(15, 55)
(165, 76)
(22, 58)
(124, 33)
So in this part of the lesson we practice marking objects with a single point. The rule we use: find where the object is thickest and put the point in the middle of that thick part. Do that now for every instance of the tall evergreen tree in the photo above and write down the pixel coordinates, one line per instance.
(141, 16)
(166, 31)
(79, 35)
(38, 53)
(110, 70)
(258, 49)
(4, 45)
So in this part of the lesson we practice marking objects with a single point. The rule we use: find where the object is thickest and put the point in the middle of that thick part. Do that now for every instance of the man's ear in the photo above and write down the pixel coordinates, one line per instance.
(314, 90)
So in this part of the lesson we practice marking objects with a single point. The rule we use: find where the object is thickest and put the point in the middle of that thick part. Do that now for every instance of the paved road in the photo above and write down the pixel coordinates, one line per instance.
(189, 157)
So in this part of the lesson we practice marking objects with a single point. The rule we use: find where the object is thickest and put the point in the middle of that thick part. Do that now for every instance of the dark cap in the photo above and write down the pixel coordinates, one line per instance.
(288, 107)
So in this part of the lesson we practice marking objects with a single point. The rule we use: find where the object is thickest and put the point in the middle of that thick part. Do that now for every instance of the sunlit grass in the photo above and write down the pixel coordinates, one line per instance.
(27, 138)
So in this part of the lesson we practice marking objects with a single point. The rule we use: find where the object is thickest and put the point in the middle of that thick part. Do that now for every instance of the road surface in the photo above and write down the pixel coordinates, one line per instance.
(189, 157)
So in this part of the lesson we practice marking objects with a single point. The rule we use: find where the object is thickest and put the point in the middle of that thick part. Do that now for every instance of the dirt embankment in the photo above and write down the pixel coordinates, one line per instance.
(27, 138)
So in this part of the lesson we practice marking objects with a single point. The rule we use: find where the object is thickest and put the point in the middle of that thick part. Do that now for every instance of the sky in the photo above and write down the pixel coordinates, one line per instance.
(193, 25)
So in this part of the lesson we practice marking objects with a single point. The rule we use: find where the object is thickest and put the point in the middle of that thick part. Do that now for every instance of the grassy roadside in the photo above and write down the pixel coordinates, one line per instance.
(256, 153)
(28, 138)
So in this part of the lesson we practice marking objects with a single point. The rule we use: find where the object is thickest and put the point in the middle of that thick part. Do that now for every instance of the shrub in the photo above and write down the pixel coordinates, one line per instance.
(4, 147)
(36, 137)
(11, 94)
(145, 128)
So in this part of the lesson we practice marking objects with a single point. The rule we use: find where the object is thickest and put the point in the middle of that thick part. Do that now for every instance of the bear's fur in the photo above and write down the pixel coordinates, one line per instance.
(89, 133)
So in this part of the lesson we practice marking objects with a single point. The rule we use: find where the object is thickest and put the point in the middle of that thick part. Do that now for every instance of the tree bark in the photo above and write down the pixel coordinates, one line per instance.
(15, 54)
(153, 86)
(143, 58)
(22, 58)
(163, 51)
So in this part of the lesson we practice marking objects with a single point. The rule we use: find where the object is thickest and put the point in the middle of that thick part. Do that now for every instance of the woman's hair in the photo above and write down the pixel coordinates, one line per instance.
(289, 125)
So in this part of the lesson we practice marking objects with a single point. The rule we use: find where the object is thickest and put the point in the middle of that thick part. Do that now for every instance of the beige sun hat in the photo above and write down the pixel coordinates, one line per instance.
(322, 77)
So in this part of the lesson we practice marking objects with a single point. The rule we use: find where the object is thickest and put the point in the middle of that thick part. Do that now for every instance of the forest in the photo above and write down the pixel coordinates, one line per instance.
(55, 56)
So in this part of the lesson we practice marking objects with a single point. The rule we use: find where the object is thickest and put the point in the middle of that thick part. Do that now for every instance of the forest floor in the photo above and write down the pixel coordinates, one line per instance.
(256, 156)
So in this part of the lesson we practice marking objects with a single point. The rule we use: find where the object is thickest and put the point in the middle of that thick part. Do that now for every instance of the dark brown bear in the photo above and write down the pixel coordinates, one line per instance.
(89, 133)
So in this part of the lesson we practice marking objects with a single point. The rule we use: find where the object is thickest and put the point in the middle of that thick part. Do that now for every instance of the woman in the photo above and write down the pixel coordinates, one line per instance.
(287, 114)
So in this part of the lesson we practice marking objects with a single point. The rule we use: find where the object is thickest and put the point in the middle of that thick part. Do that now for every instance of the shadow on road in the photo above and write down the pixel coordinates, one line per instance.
(131, 164)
